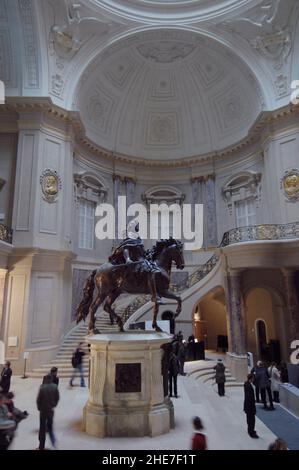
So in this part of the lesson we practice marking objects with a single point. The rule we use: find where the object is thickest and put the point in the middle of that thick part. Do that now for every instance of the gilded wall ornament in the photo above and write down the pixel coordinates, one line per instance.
(51, 184)
(290, 184)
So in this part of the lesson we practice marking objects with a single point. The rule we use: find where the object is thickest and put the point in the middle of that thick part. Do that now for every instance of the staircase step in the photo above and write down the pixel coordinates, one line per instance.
(77, 335)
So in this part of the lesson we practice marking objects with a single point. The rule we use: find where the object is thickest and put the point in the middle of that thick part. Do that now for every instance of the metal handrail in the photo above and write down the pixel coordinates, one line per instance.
(260, 233)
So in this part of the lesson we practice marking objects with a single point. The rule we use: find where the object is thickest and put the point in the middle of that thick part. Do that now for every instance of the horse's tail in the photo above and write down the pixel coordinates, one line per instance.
(83, 307)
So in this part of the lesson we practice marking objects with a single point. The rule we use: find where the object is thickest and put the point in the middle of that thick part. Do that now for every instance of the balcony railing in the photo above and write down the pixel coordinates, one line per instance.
(236, 235)
(261, 232)
(5, 234)
(203, 270)
(137, 303)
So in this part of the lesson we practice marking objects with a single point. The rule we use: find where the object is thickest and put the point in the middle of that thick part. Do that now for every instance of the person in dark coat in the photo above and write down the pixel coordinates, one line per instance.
(249, 406)
(284, 376)
(6, 377)
(181, 356)
(191, 348)
(263, 382)
(53, 375)
(199, 441)
(257, 390)
(173, 370)
(47, 399)
(220, 377)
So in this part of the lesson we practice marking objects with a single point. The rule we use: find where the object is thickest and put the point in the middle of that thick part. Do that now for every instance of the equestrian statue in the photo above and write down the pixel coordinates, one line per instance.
(132, 270)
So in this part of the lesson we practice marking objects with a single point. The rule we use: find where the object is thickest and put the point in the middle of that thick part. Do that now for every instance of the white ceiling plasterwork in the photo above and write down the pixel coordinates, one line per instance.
(169, 11)
(167, 93)
(269, 29)
(158, 80)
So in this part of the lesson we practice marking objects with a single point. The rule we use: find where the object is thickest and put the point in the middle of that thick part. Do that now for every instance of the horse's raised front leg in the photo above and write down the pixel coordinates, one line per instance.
(92, 310)
(156, 311)
(108, 308)
(170, 295)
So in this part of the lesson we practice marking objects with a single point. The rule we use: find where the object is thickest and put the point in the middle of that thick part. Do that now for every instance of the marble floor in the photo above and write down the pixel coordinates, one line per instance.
(224, 420)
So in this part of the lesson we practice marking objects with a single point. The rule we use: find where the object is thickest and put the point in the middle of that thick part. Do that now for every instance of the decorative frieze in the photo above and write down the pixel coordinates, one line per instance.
(30, 44)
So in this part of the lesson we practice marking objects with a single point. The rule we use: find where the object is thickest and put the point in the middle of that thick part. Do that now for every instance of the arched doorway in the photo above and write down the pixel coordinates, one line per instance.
(210, 320)
(266, 328)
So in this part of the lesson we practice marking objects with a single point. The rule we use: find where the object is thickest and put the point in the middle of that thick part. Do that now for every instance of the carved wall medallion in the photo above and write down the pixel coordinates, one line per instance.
(290, 184)
(51, 184)
(165, 52)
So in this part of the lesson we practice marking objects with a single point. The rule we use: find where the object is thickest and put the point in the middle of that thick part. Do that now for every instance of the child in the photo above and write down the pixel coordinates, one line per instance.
(199, 441)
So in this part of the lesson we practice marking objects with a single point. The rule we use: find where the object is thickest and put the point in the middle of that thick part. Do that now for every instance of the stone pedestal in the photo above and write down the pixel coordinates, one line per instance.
(238, 365)
(126, 396)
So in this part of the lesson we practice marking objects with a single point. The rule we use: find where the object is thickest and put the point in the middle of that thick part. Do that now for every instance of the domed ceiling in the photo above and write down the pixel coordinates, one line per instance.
(167, 94)
(162, 11)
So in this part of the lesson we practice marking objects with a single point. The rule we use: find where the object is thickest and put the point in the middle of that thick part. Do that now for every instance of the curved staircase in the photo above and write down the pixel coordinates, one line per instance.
(206, 375)
(129, 307)
(71, 341)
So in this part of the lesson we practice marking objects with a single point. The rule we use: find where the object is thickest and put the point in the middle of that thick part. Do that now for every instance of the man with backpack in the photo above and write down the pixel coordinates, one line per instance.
(77, 360)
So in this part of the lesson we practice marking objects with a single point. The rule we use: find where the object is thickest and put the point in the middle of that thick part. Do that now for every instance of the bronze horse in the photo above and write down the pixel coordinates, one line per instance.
(113, 280)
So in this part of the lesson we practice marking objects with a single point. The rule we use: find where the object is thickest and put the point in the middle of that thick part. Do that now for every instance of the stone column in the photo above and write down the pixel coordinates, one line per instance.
(236, 311)
(210, 211)
(38, 303)
(237, 356)
(229, 318)
(116, 189)
(3, 273)
(130, 191)
(197, 194)
(291, 302)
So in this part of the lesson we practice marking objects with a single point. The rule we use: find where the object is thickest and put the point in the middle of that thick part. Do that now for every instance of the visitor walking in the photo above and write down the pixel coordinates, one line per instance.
(249, 406)
(199, 441)
(5, 378)
(275, 381)
(47, 400)
(77, 360)
(173, 370)
(220, 377)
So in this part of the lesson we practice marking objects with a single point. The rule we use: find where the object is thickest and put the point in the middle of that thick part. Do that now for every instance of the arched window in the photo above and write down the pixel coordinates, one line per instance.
(162, 220)
(242, 195)
(90, 191)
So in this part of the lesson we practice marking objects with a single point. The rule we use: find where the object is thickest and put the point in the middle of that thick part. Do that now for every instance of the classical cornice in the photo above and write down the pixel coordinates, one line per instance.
(264, 122)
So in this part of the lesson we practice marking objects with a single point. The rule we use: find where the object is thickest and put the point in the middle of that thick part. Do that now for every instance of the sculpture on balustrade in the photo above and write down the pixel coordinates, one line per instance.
(133, 270)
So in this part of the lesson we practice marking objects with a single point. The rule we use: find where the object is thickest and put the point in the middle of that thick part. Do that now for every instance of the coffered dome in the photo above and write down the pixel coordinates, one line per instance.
(167, 94)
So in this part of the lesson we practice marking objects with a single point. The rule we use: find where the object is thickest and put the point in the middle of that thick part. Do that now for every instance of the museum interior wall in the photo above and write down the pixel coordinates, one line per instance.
(101, 108)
